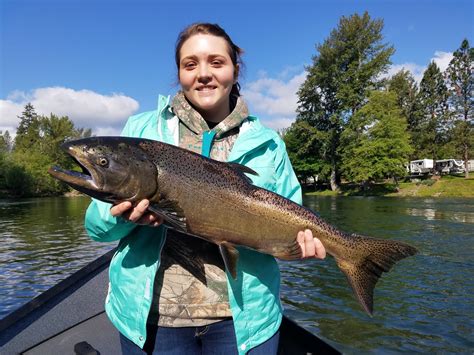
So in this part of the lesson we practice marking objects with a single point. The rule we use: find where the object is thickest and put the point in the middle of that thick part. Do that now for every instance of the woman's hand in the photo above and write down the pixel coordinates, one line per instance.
(311, 247)
(137, 214)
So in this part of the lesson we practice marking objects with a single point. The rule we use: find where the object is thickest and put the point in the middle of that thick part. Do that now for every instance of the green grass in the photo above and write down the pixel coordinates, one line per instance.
(447, 186)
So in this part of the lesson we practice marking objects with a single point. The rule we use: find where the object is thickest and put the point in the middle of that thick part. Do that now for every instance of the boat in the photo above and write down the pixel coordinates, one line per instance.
(69, 318)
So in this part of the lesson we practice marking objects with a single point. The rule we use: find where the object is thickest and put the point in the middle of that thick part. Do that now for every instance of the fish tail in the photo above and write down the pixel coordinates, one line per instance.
(378, 256)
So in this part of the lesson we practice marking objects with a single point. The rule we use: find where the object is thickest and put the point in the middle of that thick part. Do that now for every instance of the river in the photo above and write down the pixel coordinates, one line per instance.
(425, 304)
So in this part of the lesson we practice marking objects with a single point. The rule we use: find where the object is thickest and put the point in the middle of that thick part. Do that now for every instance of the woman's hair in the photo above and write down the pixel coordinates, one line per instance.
(235, 52)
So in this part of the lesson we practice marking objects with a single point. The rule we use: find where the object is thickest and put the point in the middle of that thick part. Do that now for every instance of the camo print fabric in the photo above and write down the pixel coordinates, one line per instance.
(192, 126)
(191, 284)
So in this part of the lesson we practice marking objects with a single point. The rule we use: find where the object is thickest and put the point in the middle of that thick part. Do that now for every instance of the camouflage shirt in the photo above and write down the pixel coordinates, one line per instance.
(191, 286)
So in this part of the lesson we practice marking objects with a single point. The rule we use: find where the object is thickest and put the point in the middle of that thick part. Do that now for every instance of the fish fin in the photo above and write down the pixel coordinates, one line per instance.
(292, 252)
(230, 255)
(363, 274)
(171, 213)
(243, 169)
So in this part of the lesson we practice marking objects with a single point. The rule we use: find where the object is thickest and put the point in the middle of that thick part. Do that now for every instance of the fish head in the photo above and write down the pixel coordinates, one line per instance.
(114, 169)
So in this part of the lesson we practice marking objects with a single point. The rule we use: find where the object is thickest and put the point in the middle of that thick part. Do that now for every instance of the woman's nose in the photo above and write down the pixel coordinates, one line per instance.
(204, 74)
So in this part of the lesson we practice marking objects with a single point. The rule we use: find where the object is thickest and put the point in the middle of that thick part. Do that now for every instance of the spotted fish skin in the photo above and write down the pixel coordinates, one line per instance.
(216, 201)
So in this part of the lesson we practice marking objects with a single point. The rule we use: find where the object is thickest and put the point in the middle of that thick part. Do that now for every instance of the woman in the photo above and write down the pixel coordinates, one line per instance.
(175, 297)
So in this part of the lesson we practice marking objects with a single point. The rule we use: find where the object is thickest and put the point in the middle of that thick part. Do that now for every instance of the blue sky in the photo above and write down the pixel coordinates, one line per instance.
(100, 61)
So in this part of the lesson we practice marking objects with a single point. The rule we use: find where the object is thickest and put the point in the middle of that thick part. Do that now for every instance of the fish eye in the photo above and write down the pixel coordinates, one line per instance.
(103, 161)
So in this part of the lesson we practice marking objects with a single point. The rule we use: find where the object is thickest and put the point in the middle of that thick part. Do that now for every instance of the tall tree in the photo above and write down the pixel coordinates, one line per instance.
(433, 100)
(27, 133)
(27, 118)
(347, 66)
(403, 84)
(460, 80)
(376, 142)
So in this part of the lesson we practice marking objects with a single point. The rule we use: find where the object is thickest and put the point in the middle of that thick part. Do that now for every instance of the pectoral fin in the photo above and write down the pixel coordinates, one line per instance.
(230, 255)
(171, 213)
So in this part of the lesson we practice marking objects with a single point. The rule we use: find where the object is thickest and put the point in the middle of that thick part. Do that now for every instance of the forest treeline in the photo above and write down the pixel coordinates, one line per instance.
(353, 123)
(25, 160)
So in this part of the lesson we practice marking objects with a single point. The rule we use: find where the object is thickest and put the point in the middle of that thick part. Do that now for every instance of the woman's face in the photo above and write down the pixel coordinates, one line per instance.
(206, 75)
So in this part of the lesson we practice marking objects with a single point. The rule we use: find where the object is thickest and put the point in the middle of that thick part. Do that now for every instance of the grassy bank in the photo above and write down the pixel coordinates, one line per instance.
(447, 186)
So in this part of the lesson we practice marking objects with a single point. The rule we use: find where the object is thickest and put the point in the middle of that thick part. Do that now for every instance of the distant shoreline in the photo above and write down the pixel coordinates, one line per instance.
(447, 186)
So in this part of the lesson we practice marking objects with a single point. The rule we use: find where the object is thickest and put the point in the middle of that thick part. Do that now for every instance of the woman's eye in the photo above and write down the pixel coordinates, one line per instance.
(189, 65)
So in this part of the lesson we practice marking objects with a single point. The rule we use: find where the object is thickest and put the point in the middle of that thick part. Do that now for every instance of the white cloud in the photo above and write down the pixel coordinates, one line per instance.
(86, 108)
(415, 69)
(274, 99)
(441, 59)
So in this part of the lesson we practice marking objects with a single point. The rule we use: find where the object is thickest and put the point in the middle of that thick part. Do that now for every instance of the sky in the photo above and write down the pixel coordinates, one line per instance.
(100, 61)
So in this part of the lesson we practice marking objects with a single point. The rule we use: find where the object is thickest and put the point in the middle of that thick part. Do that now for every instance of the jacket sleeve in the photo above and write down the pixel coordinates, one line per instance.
(100, 224)
(287, 184)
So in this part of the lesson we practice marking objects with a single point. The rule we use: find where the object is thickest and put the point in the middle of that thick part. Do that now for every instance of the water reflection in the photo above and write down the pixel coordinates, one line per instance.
(43, 241)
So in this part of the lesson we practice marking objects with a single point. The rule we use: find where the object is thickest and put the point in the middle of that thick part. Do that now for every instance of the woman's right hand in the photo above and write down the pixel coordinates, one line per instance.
(138, 214)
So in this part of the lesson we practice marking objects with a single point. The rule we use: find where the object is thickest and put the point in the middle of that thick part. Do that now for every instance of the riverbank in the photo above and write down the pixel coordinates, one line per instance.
(447, 186)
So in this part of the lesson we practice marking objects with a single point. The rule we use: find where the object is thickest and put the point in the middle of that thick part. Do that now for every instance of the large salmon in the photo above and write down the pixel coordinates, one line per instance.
(216, 201)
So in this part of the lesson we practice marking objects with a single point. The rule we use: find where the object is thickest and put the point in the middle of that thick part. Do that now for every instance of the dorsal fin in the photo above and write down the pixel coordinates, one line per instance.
(243, 169)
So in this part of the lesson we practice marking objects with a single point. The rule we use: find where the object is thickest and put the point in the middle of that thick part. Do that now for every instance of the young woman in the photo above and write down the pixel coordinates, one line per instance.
(168, 292)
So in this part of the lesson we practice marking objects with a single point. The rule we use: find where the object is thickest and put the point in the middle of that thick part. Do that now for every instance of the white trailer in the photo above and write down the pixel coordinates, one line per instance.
(453, 166)
(421, 166)
(449, 166)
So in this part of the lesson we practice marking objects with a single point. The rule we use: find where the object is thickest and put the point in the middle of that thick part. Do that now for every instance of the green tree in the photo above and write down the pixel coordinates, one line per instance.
(6, 143)
(376, 142)
(348, 65)
(304, 146)
(27, 133)
(38, 147)
(433, 100)
(403, 84)
(460, 80)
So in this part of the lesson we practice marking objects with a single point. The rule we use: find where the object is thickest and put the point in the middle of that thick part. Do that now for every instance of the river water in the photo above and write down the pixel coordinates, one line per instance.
(425, 304)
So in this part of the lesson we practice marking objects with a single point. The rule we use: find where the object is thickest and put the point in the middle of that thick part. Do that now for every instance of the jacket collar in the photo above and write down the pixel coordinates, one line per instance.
(252, 136)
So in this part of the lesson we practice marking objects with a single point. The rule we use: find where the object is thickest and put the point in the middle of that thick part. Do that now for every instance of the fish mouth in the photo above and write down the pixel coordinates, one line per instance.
(87, 181)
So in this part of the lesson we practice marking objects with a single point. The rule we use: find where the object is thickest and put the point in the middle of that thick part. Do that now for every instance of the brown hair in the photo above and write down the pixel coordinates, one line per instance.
(235, 52)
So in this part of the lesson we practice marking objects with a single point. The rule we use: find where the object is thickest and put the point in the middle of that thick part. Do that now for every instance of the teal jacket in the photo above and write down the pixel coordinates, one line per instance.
(254, 296)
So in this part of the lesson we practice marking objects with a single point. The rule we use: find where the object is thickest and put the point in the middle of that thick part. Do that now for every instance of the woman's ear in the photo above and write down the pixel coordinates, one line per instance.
(236, 73)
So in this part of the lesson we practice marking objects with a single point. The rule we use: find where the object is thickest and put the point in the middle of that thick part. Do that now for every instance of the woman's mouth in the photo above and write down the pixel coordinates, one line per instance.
(206, 88)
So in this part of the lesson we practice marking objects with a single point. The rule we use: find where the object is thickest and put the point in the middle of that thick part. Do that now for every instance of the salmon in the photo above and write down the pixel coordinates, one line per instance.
(217, 201)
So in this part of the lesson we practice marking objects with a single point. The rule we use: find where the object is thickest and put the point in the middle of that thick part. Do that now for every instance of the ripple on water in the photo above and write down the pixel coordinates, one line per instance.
(424, 305)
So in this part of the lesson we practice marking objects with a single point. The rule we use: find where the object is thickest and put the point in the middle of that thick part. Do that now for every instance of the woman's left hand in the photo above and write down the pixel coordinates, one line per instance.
(311, 247)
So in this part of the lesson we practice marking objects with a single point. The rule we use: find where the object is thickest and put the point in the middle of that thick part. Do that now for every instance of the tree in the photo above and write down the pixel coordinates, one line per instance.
(460, 80)
(376, 142)
(5, 142)
(26, 119)
(304, 146)
(433, 100)
(403, 84)
(348, 65)
(27, 133)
